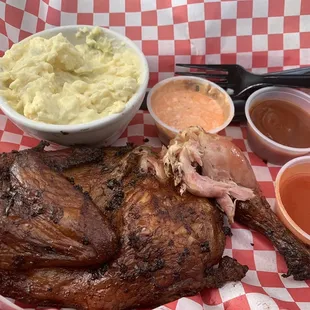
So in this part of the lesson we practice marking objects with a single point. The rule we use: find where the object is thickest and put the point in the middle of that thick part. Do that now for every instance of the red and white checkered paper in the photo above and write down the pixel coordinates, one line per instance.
(263, 287)
(262, 35)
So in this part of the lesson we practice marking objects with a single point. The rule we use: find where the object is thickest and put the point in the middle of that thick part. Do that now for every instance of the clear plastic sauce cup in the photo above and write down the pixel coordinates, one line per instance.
(166, 132)
(292, 169)
(263, 146)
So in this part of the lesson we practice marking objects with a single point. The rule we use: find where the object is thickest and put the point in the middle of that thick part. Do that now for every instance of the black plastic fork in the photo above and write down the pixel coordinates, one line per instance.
(241, 81)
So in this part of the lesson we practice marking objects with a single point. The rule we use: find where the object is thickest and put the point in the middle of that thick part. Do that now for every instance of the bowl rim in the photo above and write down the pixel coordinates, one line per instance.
(71, 128)
(200, 80)
(280, 206)
(292, 91)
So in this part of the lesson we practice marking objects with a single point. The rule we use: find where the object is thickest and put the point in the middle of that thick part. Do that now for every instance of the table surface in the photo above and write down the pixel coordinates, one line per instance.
(261, 35)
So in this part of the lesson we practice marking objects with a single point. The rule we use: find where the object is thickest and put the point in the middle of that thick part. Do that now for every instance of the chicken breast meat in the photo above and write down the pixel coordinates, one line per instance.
(224, 164)
(168, 245)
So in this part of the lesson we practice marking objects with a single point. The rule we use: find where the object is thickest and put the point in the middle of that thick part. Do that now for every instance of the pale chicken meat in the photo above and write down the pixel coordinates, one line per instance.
(222, 163)
(206, 166)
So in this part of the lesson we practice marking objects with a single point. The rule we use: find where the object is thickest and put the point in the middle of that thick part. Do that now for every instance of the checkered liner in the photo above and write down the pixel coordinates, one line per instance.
(263, 285)
(262, 35)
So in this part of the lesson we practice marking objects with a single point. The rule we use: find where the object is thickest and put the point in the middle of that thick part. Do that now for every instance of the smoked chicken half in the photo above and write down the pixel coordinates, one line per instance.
(165, 235)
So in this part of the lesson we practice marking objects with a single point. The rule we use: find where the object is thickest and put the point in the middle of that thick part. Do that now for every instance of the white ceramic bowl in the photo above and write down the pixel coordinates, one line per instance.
(261, 145)
(166, 132)
(103, 131)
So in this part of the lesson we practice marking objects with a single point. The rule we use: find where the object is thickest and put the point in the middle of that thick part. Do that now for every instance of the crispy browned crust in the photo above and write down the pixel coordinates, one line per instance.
(91, 290)
(46, 221)
(164, 255)
(169, 244)
(57, 160)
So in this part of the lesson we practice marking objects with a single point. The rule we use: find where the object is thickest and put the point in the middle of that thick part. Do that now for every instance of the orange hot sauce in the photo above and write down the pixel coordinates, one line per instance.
(295, 196)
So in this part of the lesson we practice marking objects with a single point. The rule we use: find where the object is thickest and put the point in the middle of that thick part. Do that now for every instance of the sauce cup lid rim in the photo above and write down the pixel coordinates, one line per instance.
(293, 162)
(249, 120)
(201, 80)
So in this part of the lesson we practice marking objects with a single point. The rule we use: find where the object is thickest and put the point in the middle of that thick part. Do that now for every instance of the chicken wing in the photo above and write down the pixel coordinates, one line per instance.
(45, 221)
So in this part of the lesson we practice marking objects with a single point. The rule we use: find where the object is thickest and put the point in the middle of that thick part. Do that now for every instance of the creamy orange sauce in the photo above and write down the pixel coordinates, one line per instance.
(181, 104)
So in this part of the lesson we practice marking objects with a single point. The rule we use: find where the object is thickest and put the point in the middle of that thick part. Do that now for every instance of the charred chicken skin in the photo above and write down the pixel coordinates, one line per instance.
(169, 236)
(45, 221)
(168, 243)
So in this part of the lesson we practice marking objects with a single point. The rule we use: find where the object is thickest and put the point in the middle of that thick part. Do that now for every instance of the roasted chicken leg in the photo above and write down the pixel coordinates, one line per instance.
(222, 162)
